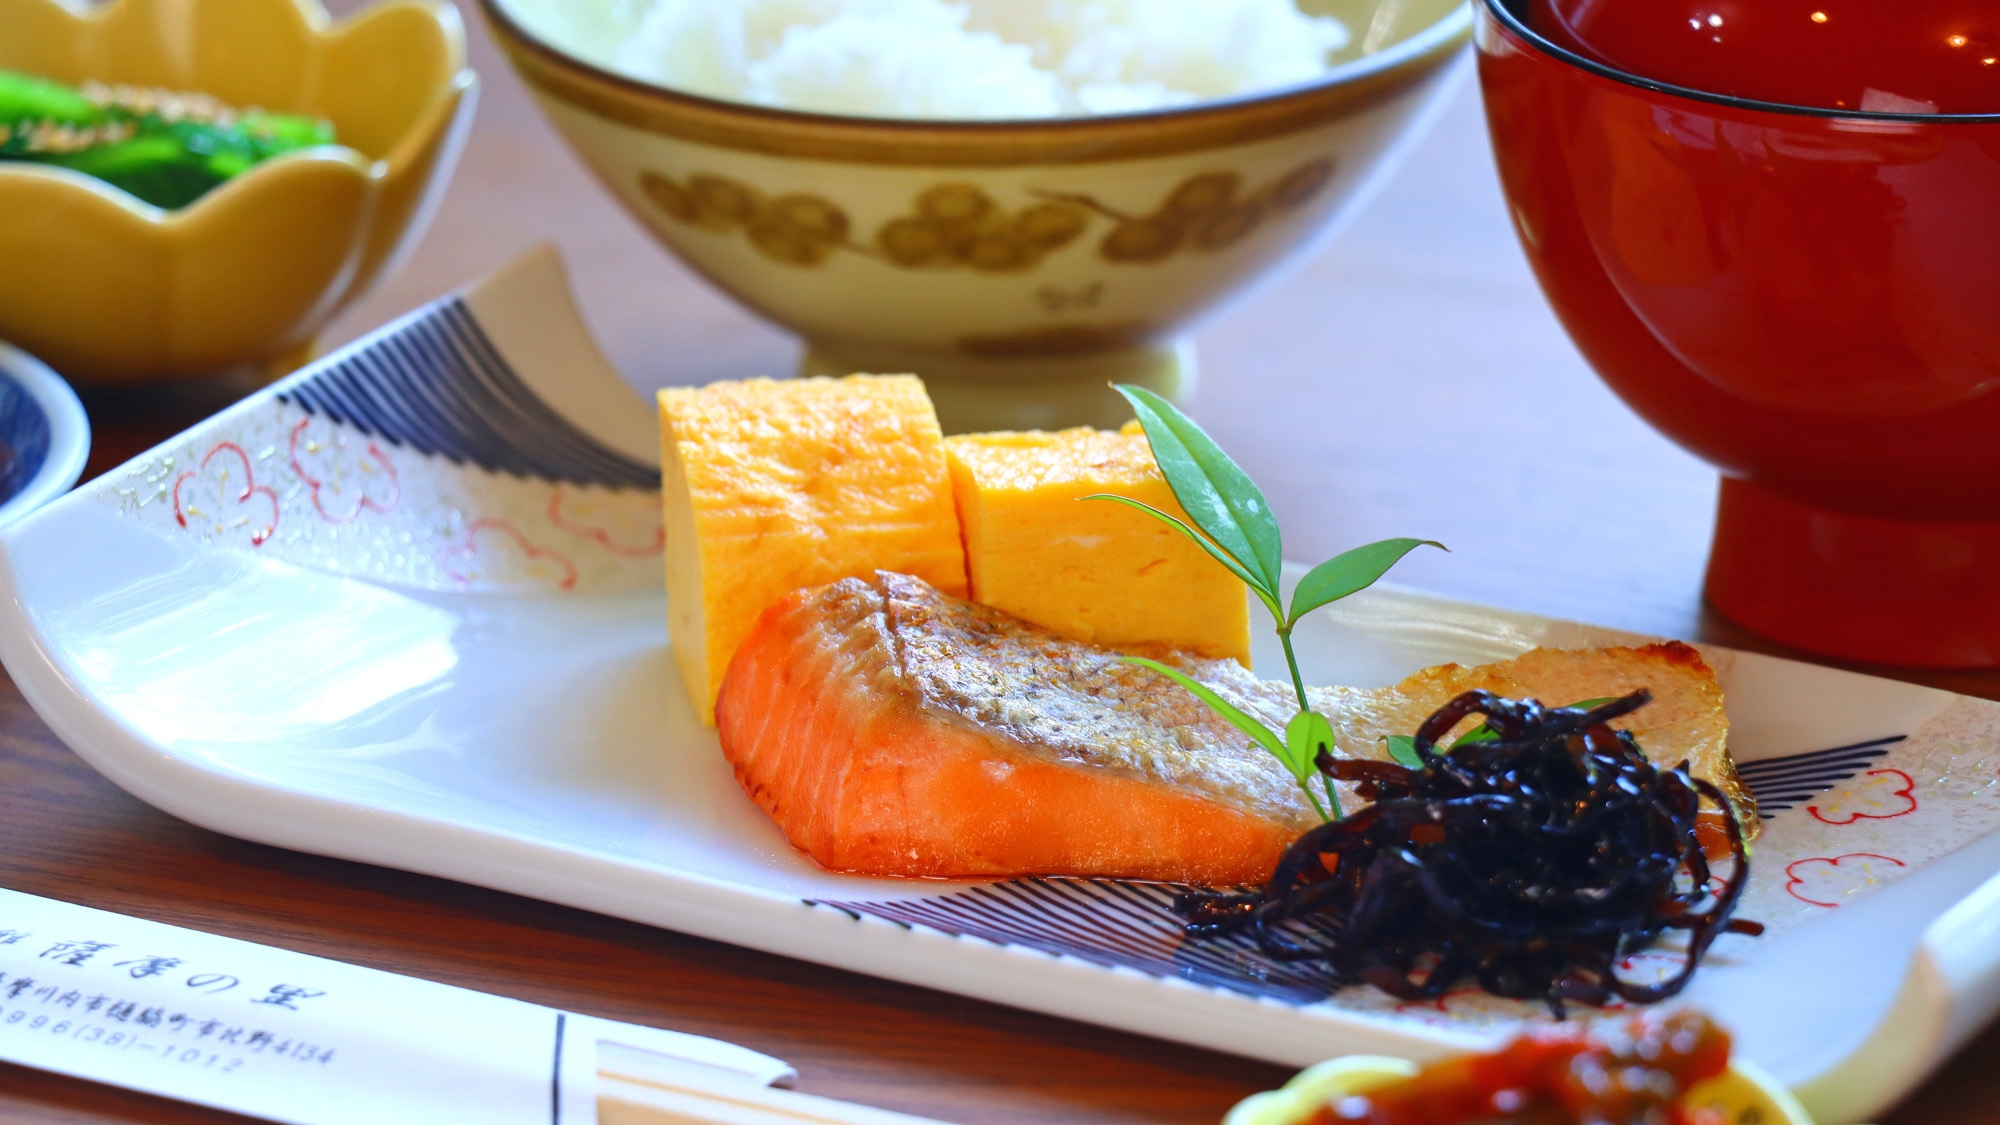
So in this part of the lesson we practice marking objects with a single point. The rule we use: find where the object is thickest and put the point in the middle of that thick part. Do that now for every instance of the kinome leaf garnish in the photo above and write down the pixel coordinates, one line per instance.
(1228, 518)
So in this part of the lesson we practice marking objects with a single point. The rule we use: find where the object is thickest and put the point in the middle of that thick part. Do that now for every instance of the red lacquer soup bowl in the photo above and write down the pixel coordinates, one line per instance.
(1807, 299)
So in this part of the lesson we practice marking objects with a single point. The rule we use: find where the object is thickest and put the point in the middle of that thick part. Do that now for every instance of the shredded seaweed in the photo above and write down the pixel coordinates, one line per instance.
(1533, 860)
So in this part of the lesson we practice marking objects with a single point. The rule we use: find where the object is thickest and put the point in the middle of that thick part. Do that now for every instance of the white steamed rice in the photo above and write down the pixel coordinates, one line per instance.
(971, 59)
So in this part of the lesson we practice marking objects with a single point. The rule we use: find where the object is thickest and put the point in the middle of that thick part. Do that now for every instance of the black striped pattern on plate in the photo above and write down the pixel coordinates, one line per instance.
(1128, 925)
(437, 384)
(1107, 922)
(1784, 783)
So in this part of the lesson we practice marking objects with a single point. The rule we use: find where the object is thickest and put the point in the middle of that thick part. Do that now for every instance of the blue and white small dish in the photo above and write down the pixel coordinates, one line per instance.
(44, 436)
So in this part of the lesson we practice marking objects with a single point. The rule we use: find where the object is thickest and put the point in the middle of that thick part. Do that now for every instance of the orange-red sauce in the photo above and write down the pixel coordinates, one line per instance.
(1637, 1072)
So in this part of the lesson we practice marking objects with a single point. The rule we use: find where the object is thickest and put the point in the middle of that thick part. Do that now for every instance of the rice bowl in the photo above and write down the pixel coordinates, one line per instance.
(1017, 265)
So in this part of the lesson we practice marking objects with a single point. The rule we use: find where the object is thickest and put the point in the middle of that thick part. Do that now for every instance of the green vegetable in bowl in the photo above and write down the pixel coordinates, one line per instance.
(166, 147)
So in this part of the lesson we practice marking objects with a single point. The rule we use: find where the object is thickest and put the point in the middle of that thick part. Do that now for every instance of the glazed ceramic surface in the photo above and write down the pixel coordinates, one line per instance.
(1046, 255)
(405, 607)
(1804, 298)
(107, 288)
(44, 435)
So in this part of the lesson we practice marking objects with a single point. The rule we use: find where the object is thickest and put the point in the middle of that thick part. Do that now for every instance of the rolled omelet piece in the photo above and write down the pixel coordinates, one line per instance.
(1092, 571)
(771, 485)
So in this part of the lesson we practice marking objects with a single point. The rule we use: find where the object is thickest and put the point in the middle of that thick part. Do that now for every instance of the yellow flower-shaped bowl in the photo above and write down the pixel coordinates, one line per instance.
(108, 289)
(1742, 1094)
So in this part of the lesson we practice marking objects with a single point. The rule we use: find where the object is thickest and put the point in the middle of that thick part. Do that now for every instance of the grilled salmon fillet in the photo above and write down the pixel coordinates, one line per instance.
(892, 730)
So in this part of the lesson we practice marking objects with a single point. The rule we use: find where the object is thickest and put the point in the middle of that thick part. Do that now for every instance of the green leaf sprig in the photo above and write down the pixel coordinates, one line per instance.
(1229, 519)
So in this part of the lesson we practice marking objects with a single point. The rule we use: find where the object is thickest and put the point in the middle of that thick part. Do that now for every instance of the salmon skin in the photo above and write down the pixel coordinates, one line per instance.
(892, 730)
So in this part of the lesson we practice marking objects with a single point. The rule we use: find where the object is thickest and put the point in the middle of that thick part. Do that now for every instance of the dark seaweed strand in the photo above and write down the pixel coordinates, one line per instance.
(1532, 863)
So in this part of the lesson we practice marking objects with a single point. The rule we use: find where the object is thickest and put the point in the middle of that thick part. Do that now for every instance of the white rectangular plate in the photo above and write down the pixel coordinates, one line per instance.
(404, 608)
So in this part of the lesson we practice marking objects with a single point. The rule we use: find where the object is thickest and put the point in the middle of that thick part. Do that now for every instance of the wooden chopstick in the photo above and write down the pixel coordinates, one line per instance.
(664, 1100)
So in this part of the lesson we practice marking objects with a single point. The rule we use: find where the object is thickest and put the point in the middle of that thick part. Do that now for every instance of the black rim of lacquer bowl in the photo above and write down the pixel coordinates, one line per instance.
(1513, 15)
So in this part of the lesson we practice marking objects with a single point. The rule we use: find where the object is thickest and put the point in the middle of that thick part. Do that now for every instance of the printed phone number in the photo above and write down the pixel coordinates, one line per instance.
(111, 1038)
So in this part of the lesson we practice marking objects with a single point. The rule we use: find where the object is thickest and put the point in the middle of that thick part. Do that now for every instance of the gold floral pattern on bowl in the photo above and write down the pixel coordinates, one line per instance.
(956, 224)
(796, 228)
(950, 225)
(1206, 212)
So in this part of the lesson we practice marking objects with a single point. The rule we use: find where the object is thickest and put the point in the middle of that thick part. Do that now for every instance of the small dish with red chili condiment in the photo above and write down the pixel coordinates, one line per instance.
(1672, 1067)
